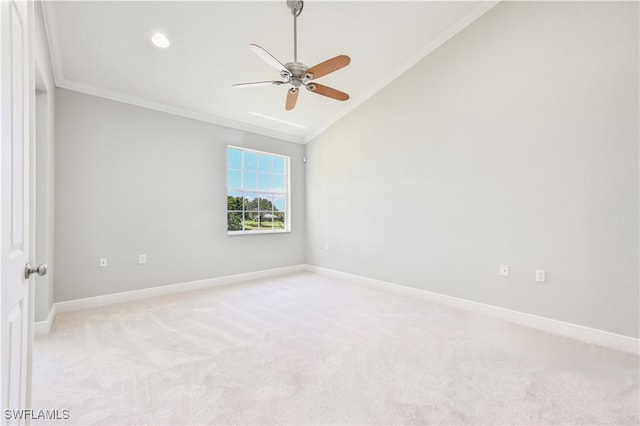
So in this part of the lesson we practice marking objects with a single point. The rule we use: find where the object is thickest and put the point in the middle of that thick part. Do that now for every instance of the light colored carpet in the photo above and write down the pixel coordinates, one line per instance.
(306, 349)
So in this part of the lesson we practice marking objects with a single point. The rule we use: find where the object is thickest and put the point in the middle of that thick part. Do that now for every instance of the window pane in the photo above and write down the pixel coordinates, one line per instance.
(264, 162)
(250, 161)
(234, 221)
(250, 180)
(234, 179)
(234, 158)
(266, 203)
(235, 201)
(266, 222)
(264, 182)
(279, 221)
(251, 221)
(280, 202)
(279, 183)
(279, 165)
(251, 202)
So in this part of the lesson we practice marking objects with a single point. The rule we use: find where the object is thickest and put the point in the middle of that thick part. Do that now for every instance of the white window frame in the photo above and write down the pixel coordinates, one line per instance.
(287, 211)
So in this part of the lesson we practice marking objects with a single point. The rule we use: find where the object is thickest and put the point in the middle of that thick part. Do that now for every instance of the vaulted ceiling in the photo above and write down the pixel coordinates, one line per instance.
(104, 48)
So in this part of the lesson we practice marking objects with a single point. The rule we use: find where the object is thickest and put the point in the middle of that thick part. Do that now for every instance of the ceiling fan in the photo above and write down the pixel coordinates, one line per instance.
(296, 73)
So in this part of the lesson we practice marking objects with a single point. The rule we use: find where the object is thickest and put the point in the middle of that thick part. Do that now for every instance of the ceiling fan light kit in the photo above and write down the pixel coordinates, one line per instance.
(296, 73)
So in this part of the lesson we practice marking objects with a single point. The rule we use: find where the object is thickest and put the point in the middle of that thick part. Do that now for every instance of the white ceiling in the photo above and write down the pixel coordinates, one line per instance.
(104, 48)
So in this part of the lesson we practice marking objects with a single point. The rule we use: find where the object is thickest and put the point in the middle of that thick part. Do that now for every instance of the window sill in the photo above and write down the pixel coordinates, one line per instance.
(286, 231)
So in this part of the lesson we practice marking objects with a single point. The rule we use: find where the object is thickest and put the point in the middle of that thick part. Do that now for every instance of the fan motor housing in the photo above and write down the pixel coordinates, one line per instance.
(297, 69)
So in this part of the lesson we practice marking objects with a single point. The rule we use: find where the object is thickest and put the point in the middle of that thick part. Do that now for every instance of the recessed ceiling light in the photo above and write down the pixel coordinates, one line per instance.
(160, 40)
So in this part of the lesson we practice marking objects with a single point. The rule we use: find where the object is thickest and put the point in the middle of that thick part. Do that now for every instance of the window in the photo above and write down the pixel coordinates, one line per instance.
(257, 191)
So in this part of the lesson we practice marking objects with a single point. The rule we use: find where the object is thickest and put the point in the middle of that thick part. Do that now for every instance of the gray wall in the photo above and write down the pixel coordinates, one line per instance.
(134, 181)
(44, 170)
(514, 143)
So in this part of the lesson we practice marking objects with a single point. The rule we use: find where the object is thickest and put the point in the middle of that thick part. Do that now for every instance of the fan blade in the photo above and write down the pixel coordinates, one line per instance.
(328, 66)
(327, 91)
(292, 97)
(270, 59)
(258, 84)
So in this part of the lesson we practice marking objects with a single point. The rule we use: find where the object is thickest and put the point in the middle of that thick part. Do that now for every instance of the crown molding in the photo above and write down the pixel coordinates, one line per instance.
(182, 112)
(50, 29)
(63, 82)
(445, 36)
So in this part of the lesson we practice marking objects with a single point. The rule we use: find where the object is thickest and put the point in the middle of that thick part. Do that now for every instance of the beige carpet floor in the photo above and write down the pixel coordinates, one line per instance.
(306, 349)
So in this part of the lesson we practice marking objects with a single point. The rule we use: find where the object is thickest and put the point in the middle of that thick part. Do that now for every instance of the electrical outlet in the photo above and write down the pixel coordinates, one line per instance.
(103, 262)
(541, 276)
(504, 270)
(142, 259)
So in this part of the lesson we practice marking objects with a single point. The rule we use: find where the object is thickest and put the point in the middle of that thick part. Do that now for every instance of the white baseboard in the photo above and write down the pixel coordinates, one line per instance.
(44, 327)
(573, 331)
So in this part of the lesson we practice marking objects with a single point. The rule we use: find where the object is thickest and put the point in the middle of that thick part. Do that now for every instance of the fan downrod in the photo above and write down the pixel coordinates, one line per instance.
(296, 9)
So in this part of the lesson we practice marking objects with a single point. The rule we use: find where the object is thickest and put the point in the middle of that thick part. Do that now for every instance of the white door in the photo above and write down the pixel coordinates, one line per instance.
(16, 81)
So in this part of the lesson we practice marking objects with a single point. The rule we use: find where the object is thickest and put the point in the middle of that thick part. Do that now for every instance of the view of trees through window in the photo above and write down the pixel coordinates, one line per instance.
(257, 186)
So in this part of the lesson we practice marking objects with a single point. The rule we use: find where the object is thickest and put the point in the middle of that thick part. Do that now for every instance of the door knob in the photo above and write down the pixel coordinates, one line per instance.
(40, 270)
